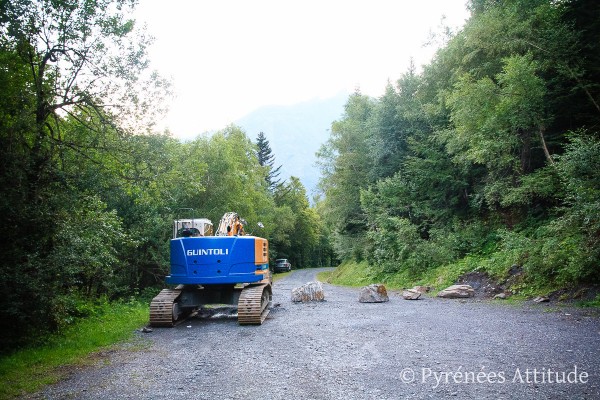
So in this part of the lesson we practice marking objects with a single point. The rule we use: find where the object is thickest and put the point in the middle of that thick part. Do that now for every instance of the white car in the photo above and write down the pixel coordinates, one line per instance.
(282, 265)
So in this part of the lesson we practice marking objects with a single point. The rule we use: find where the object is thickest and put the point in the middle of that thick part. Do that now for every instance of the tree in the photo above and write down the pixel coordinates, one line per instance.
(75, 84)
(346, 165)
(397, 116)
(302, 237)
(387, 137)
(266, 158)
(232, 179)
(85, 60)
(499, 125)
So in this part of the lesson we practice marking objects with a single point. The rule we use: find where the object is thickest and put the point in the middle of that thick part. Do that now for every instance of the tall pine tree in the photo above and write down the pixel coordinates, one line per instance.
(267, 159)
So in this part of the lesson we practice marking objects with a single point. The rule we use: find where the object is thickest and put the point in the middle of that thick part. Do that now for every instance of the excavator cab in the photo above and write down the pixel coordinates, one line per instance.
(194, 227)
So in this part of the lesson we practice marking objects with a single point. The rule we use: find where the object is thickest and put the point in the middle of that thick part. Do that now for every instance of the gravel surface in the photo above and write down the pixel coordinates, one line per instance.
(341, 349)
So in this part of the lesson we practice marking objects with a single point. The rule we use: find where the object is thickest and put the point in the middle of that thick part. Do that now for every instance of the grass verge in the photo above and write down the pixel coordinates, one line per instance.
(351, 273)
(28, 370)
(280, 275)
(324, 276)
(591, 303)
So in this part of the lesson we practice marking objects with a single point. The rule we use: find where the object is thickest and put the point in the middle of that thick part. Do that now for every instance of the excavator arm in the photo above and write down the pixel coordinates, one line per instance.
(231, 225)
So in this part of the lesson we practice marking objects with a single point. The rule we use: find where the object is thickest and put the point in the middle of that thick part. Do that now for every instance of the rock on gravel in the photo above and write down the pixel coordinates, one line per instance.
(457, 292)
(411, 294)
(311, 291)
(374, 293)
(422, 289)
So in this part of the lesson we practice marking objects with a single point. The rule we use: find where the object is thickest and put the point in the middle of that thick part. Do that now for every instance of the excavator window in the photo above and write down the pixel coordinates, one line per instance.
(188, 232)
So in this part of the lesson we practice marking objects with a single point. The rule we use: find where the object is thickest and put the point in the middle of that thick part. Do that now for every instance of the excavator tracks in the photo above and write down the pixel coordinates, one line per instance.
(253, 305)
(163, 308)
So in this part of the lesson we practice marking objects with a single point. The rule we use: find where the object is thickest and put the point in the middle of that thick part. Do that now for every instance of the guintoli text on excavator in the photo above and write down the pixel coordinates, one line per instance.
(208, 252)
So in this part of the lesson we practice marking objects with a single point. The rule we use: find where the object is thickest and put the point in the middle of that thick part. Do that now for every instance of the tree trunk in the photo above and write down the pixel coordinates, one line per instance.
(544, 146)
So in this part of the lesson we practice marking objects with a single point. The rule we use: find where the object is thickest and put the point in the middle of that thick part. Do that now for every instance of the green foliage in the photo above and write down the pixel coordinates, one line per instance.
(564, 250)
(579, 170)
(27, 370)
(346, 168)
(225, 166)
(471, 164)
(591, 303)
(495, 125)
(571, 242)
(351, 273)
(87, 244)
(299, 229)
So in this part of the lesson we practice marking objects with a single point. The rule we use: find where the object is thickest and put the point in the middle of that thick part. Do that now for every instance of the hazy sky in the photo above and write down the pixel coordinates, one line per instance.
(228, 58)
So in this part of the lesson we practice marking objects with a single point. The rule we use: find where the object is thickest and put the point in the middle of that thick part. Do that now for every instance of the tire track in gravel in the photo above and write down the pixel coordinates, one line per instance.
(342, 349)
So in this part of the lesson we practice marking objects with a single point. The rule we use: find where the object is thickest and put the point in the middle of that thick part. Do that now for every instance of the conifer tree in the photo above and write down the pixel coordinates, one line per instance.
(266, 158)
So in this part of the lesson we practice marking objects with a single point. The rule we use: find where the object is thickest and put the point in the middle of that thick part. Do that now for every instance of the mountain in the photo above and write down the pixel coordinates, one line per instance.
(295, 133)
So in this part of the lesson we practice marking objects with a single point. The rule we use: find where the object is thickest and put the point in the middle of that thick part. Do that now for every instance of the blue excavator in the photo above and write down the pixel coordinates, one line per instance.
(224, 268)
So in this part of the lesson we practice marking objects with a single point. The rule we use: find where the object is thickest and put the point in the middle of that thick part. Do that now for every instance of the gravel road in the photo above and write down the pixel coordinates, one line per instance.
(341, 349)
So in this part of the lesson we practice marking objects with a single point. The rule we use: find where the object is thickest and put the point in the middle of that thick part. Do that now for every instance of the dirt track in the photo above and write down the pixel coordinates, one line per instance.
(342, 349)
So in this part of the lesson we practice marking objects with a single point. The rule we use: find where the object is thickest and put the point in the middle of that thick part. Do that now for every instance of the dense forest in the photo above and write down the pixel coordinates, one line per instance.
(89, 189)
(487, 160)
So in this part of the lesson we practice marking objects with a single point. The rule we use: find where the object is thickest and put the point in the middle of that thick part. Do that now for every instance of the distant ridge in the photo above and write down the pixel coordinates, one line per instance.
(295, 133)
